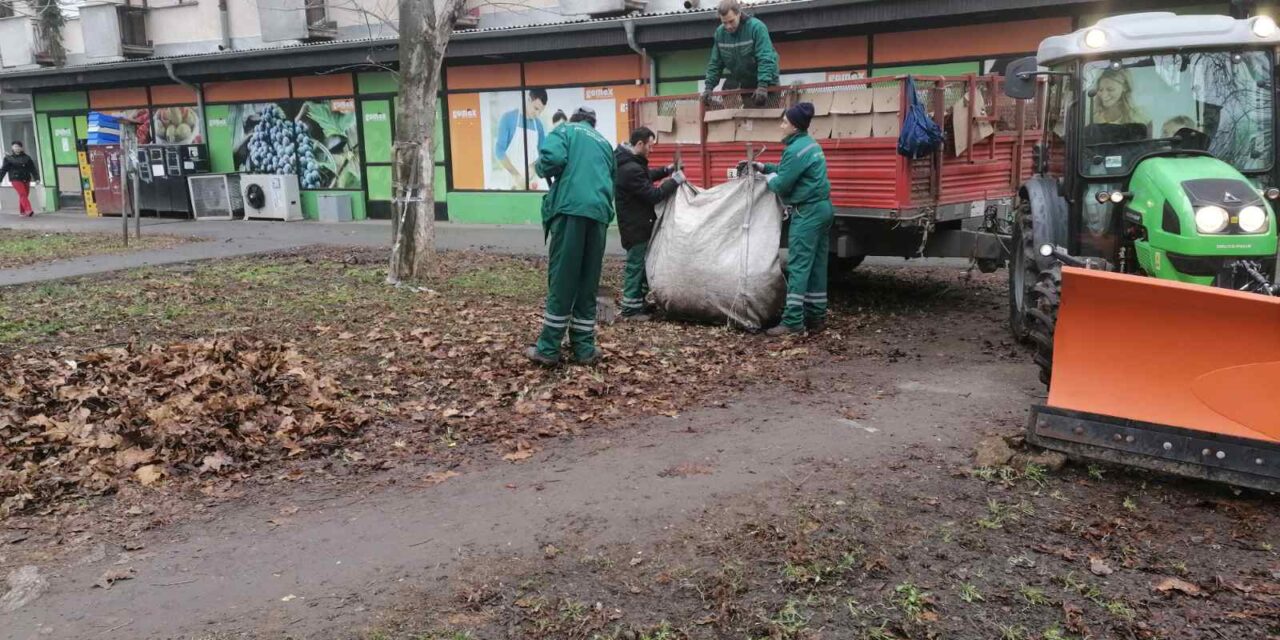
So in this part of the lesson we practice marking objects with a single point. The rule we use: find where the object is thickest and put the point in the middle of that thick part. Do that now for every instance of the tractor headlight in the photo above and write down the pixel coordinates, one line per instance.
(1263, 27)
(1212, 219)
(1253, 219)
(1095, 38)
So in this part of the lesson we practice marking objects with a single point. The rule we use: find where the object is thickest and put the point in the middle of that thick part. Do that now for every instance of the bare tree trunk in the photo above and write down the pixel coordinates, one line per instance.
(413, 235)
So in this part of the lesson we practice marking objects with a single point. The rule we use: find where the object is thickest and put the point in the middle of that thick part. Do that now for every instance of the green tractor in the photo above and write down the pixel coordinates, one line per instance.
(1159, 160)
(1144, 247)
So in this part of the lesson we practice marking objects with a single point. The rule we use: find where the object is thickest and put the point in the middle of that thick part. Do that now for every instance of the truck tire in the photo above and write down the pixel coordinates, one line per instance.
(841, 269)
(1042, 317)
(1024, 272)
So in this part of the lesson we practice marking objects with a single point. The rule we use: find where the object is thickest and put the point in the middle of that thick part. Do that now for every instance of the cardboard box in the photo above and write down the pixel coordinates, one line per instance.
(759, 125)
(821, 127)
(821, 100)
(885, 125)
(851, 101)
(887, 97)
(647, 115)
(852, 125)
(687, 128)
(721, 125)
(961, 114)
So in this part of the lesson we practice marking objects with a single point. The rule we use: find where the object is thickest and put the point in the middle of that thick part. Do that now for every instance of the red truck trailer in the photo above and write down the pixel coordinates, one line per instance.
(958, 202)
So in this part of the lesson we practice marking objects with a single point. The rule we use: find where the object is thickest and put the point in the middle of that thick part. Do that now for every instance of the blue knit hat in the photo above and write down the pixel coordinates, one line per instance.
(800, 115)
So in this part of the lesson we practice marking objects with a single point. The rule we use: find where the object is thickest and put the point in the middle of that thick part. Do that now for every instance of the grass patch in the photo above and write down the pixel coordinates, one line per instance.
(22, 248)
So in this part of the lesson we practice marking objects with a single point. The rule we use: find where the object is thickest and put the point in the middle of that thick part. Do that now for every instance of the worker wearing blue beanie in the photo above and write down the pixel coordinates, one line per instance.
(801, 181)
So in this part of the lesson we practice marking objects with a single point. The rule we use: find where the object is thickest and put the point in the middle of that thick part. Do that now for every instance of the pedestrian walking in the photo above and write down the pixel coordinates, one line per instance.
(636, 197)
(22, 173)
(576, 215)
(802, 183)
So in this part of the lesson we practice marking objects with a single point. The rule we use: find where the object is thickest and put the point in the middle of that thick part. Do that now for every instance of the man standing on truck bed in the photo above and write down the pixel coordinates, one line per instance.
(801, 181)
(742, 54)
(576, 215)
(636, 197)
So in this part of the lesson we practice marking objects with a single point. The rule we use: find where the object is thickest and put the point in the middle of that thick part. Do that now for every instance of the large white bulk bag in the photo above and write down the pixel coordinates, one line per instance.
(714, 254)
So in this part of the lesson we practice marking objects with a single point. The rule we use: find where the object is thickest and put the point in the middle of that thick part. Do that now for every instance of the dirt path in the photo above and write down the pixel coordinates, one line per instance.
(260, 568)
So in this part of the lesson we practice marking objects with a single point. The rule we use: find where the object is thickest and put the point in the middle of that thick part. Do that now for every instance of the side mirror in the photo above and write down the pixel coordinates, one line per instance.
(1020, 78)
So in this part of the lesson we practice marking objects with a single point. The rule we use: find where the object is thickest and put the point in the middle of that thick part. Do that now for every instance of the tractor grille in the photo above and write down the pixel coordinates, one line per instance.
(1196, 265)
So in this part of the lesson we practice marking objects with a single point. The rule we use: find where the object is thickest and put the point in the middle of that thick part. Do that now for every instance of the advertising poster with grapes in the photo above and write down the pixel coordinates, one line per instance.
(317, 140)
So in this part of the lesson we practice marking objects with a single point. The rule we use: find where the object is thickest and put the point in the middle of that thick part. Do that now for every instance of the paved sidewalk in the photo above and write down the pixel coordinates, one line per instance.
(226, 239)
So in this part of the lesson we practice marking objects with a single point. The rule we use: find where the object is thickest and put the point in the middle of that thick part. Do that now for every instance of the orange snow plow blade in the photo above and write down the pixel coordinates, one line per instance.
(1164, 375)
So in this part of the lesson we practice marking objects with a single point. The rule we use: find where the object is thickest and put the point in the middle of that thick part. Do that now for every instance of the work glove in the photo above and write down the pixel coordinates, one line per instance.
(758, 167)
(706, 97)
(678, 177)
(761, 96)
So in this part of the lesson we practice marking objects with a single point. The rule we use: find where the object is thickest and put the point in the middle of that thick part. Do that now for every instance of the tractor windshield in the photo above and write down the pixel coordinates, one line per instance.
(1219, 102)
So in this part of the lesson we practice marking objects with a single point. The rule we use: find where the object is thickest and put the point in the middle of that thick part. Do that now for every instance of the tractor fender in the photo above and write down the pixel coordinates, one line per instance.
(1049, 213)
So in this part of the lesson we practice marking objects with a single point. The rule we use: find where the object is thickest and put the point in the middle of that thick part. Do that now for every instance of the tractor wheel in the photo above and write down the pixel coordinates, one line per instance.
(1042, 318)
(1023, 273)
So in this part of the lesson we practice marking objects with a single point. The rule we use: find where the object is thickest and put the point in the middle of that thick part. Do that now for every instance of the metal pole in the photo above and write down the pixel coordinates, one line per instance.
(137, 212)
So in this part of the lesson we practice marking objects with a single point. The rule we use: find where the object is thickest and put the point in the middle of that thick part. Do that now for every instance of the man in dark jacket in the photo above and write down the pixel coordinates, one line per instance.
(636, 196)
(742, 54)
(22, 171)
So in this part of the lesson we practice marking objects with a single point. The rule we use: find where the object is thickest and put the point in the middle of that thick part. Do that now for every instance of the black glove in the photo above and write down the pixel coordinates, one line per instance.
(674, 167)
(758, 167)
(706, 97)
(761, 96)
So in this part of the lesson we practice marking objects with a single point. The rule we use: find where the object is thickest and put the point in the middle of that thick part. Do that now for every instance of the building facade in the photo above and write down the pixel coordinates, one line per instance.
(215, 72)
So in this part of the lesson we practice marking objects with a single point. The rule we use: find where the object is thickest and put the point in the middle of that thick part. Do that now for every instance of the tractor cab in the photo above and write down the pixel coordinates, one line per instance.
(1160, 145)
(1144, 251)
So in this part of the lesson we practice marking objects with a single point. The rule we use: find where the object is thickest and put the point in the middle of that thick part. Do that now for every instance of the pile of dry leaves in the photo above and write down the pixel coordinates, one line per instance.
(82, 427)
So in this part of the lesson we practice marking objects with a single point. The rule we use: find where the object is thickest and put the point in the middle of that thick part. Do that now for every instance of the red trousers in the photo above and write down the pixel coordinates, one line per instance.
(23, 190)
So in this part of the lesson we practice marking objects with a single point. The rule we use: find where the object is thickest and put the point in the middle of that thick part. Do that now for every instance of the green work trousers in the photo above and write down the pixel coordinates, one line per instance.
(808, 241)
(635, 284)
(576, 247)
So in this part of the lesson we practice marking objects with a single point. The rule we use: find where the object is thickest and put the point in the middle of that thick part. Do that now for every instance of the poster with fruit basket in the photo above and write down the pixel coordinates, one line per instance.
(318, 140)
(176, 125)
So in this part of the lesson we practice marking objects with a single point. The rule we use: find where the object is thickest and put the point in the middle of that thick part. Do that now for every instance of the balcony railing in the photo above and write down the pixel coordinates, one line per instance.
(41, 52)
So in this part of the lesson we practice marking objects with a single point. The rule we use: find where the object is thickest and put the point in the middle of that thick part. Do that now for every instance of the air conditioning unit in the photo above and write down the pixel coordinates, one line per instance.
(216, 196)
(271, 197)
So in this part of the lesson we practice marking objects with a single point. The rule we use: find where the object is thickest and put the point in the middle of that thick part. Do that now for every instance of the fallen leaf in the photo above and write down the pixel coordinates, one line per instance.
(1099, 567)
(215, 462)
(516, 456)
(1174, 584)
(149, 474)
(113, 576)
(436, 477)
(550, 551)
(289, 598)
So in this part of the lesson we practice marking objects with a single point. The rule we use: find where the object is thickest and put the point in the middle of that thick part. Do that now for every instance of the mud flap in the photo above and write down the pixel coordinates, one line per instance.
(1165, 375)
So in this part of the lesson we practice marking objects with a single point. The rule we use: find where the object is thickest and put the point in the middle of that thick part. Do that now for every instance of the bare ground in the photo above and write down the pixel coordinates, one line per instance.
(831, 496)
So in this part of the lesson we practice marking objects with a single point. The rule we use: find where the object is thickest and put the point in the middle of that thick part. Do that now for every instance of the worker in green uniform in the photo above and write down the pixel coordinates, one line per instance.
(742, 54)
(578, 210)
(801, 181)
